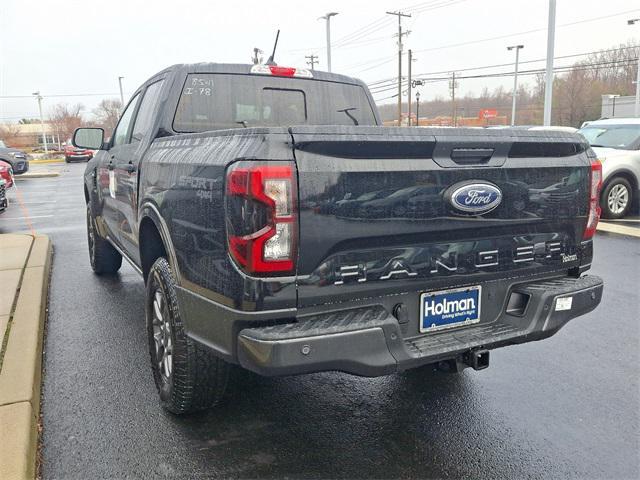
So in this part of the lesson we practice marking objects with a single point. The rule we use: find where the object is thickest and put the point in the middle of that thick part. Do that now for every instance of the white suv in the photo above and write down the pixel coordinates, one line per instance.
(616, 141)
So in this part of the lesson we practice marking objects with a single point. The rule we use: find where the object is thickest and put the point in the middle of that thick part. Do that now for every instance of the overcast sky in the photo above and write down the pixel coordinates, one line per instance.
(69, 47)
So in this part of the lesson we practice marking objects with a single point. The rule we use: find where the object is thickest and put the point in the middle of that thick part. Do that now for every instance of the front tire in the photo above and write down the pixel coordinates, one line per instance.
(616, 198)
(67, 160)
(104, 258)
(188, 376)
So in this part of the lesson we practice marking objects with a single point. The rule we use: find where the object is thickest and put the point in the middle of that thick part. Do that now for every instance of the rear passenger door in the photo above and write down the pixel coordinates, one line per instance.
(128, 167)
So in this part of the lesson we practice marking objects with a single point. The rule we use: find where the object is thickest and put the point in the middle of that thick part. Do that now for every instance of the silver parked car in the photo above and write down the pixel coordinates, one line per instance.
(616, 141)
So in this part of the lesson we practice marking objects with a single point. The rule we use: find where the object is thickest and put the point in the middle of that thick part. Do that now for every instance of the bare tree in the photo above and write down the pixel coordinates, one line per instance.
(107, 114)
(10, 133)
(66, 118)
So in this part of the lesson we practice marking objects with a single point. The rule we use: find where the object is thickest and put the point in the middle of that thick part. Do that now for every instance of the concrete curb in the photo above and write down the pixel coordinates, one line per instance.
(21, 368)
(619, 229)
(44, 161)
(36, 175)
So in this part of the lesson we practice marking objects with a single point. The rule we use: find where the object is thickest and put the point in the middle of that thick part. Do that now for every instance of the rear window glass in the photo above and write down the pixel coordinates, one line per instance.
(218, 101)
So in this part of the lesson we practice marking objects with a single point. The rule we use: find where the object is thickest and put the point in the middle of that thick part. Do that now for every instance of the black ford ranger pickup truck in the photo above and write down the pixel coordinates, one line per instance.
(278, 226)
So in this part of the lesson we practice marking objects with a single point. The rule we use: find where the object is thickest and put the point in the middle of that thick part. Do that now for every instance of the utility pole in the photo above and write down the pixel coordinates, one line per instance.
(636, 109)
(121, 94)
(313, 59)
(44, 134)
(257, 56)
(515, 83)
(548, 84)
(327, 17)
(452, 87)
(613, 109)
(417, 108)
(409, 59)
(400, 15)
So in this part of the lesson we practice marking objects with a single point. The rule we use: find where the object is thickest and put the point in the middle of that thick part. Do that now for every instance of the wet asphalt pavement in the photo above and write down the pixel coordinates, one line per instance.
(565, 407)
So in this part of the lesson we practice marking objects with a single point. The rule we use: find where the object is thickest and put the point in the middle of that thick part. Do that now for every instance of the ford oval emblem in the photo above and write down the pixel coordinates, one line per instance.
(474, 197)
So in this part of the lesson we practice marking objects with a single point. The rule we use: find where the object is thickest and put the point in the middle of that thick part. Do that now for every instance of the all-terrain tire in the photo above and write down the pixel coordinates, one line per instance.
(196, 379)
(104, 258)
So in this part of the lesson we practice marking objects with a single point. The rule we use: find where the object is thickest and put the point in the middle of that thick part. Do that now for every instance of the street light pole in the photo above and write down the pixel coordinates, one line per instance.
(121, 94)
(327, 17)
(515, 83)
(548, 87)
(636, 109)
(44, 134)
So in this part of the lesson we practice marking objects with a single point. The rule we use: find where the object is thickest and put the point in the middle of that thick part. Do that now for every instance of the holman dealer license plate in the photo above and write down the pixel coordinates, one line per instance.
(449, 308)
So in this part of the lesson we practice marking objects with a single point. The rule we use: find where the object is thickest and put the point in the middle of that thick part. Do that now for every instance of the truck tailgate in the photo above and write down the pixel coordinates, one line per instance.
(385, 211)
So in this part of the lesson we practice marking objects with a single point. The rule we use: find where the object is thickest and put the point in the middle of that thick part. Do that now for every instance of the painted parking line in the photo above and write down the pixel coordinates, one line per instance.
(624, 220)
(23, 218)
(620, 229)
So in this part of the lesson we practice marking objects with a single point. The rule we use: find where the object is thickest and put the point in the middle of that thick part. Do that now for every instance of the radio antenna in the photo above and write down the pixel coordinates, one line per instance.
(273, 54)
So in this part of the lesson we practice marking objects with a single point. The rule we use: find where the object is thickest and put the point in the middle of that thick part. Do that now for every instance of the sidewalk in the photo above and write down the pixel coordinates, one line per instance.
(25, 262)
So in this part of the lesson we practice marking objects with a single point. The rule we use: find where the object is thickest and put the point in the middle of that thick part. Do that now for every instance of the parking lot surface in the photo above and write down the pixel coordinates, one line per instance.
(565, 407)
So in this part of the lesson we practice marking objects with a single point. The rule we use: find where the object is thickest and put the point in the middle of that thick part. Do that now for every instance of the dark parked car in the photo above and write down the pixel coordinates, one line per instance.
(18, 159)
(213, 187)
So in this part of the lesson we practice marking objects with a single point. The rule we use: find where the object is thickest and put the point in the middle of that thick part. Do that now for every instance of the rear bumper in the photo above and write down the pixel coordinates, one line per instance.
(368, 341)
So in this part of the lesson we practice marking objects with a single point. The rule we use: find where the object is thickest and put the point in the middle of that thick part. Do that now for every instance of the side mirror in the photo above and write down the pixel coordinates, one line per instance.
(91, 138)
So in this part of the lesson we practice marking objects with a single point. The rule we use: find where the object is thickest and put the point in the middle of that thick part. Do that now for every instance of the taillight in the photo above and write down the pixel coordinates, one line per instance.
(595, 182)
(262, 217)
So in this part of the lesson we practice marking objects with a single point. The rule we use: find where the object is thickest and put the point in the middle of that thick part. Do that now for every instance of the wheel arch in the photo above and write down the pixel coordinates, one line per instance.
(154, 241)
(624, 173)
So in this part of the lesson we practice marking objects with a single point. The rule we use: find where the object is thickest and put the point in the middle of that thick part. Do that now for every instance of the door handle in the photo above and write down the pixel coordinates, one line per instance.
(127, 167)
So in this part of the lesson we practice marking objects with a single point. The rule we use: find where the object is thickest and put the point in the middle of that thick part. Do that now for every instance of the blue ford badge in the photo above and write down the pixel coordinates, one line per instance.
(474, 197)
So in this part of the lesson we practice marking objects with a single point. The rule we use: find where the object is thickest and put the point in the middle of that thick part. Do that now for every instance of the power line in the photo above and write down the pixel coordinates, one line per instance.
(499, 37)
(372, 84)
(64, 95)
(389, 81)
(417, 9)
(562, 69)
(379, 23)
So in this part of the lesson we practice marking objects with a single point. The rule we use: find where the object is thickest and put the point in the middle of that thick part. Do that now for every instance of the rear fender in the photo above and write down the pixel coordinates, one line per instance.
(149, 210)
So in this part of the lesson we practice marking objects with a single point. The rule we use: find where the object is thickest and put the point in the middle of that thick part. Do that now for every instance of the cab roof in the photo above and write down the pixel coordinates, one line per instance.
(241, 68)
